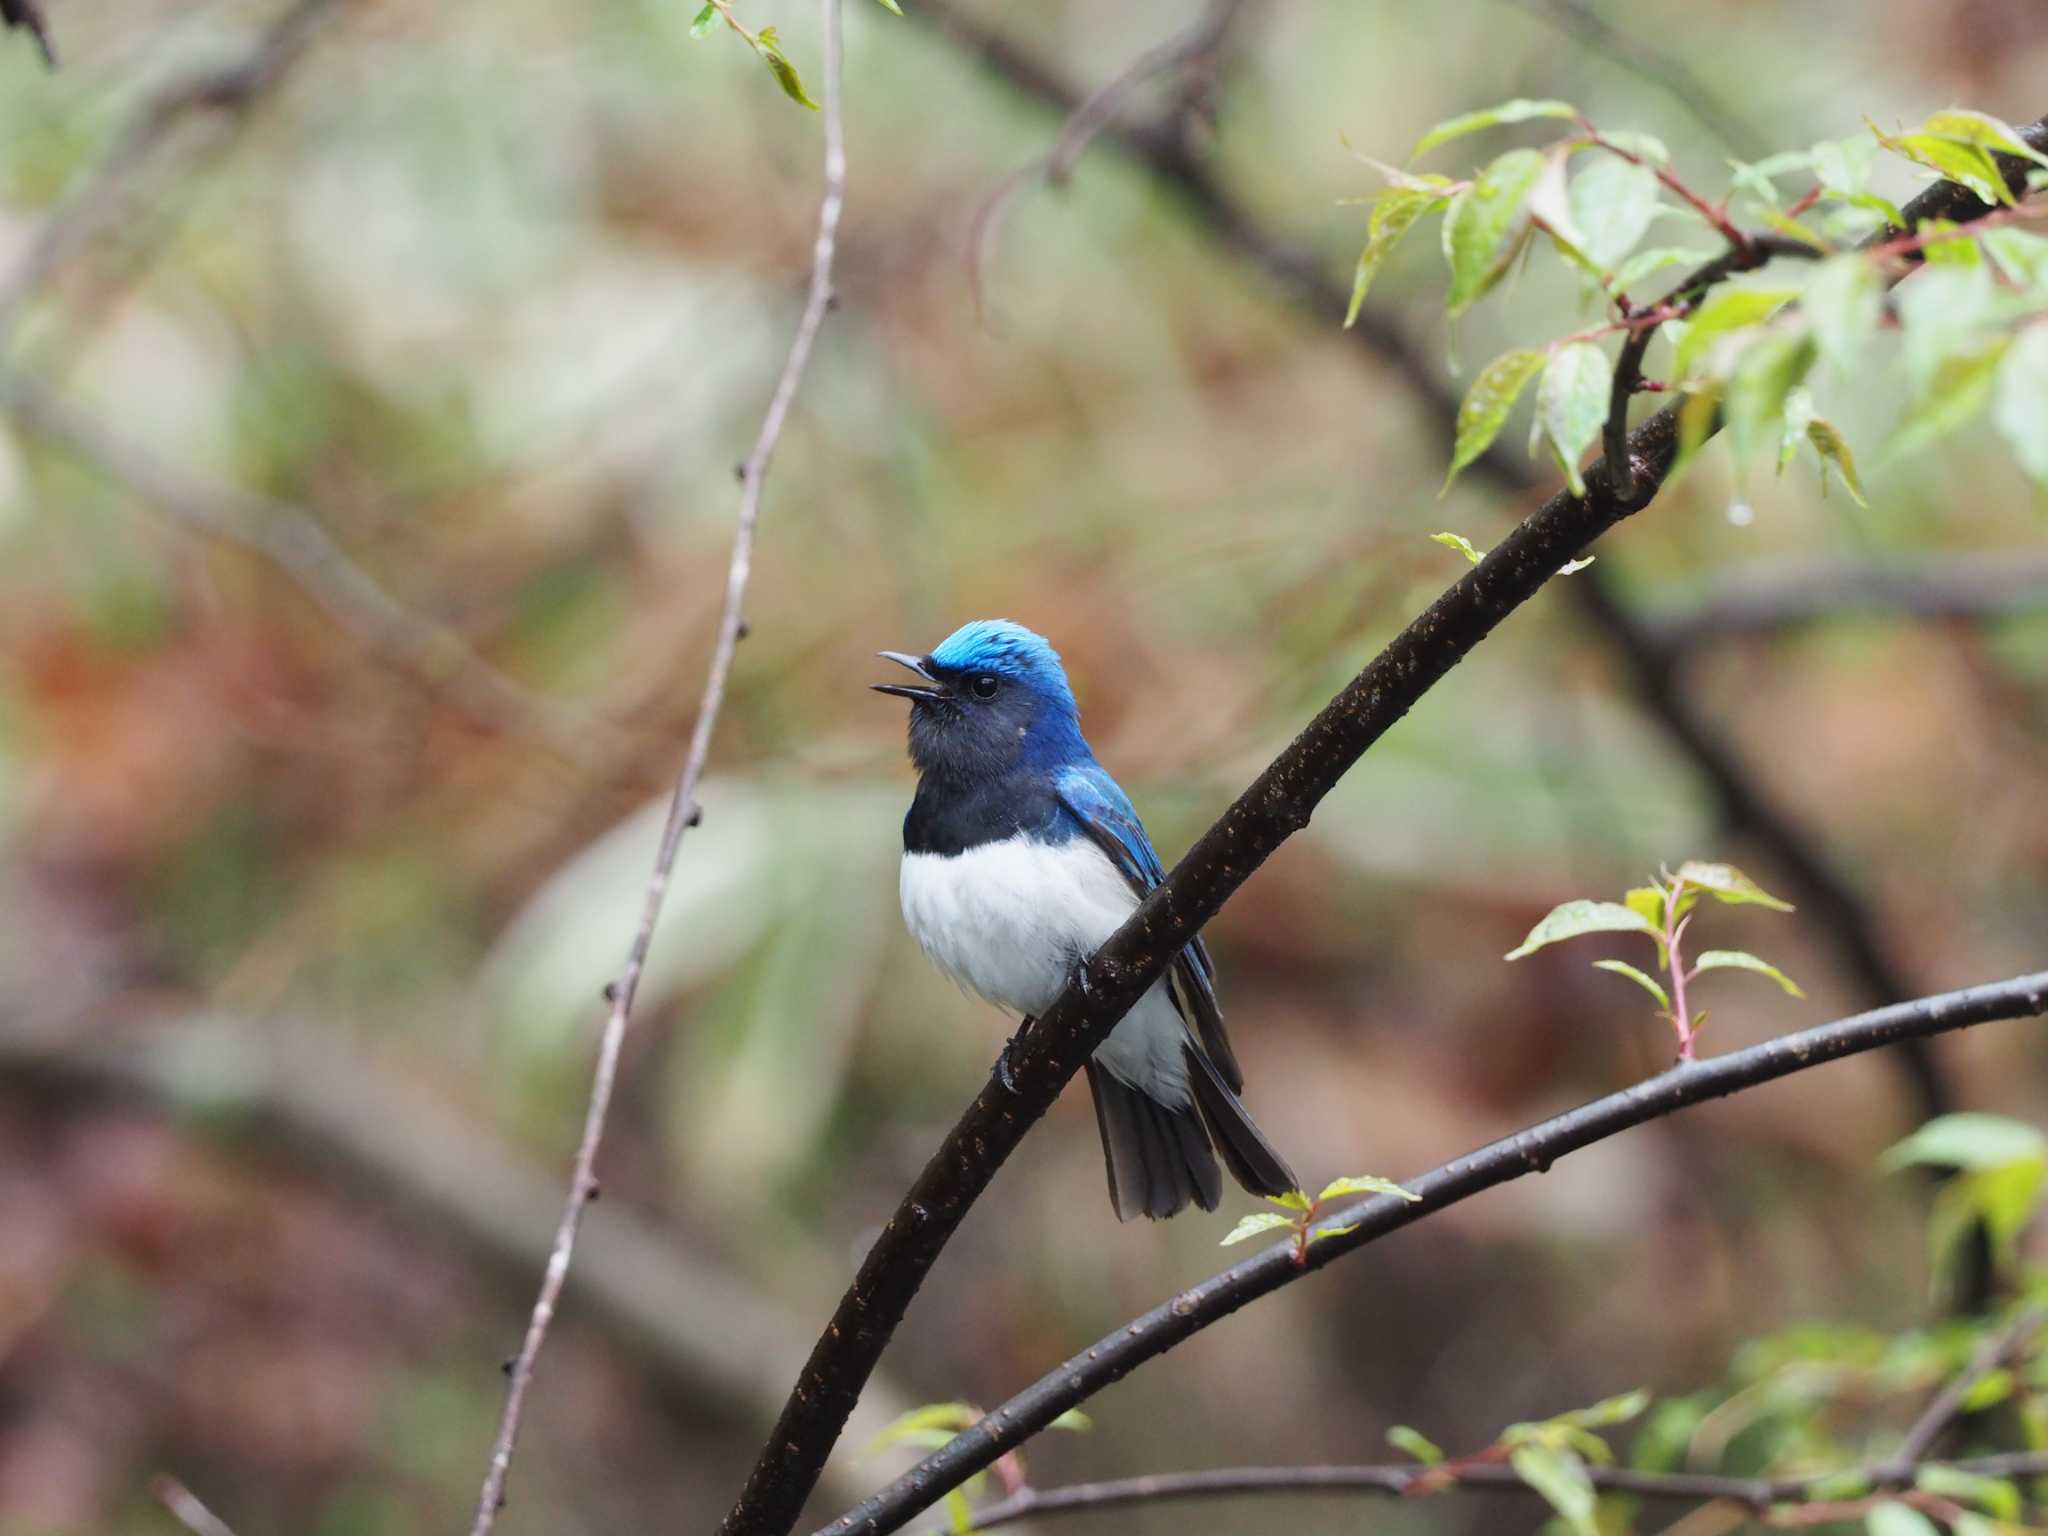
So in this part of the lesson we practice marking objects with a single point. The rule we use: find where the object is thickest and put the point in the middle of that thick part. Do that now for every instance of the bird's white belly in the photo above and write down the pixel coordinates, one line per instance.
(1009, 920)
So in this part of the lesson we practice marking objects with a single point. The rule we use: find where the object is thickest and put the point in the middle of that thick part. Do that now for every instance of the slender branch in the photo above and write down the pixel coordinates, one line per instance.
(291, 541)
(2002, 1348)
(683, 810)
(1666, 70)
(1531, 1151)
(28, 15)
(1763, 599)
(1405, 1480)
(229, 91)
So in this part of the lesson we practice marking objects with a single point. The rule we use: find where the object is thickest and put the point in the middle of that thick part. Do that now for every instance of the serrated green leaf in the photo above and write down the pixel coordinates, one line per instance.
(704, 21)
(1571, 405)
(1573, 918)
(1394, 211)
(1363, 1184)
(1739, 960)
(1844, 303)
(1519, 110)
(1969, 1140)
(1487, 403)
(1648, 983)
(1833, 449)
(1983, 131)
(1410, 1442)
(779, 66)
(1797, 418)
(1293, 1200)
(1647, 900)
(1892, 1518)
(1561, 1478)
(1759, 178)
(2021, 409)
(1251, 1226)
(1319, 1233)
(1970, 164)
(1726, 883)
(1792, 229)
(1724, 312)
(1842, 166)
(1486, 224)
(1460, 543)
(1763, 380)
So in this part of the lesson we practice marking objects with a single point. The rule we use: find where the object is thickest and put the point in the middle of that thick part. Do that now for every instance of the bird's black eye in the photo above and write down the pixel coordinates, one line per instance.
(984, 685)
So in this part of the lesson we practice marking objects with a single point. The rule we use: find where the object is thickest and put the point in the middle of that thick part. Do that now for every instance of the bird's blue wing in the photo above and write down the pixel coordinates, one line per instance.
(1106, 814)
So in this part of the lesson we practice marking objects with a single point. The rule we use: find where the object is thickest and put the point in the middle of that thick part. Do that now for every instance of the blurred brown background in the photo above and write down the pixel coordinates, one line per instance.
(305, 907)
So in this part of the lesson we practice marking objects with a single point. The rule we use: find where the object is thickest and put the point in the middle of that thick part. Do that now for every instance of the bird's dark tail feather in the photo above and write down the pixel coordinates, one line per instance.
(1252, 1160)
(1158, 1157)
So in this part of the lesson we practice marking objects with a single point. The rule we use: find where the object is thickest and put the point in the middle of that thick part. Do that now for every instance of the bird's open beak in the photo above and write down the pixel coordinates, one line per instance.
(934, 689)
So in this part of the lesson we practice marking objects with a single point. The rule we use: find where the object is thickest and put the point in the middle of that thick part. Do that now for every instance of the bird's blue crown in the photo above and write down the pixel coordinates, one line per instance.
(1009, 649)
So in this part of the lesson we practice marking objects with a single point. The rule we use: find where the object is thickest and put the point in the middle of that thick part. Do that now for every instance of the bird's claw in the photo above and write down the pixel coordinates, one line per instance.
(1006, 1063)
(1077, 978)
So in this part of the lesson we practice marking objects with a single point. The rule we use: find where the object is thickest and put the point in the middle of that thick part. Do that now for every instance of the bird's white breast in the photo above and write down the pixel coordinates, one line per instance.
(1009, 920)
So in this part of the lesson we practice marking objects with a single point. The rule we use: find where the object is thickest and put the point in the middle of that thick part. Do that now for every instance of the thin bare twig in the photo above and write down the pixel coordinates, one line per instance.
(187, 1509)
(230, 92)
(2003, 1347)
(683, 810)
(1755, 1494)
(292, 541)
(1188, 48)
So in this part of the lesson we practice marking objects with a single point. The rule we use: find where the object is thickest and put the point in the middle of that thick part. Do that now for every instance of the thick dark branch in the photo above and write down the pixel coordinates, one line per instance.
(1935, 587)
(1756, 1494)
(1530, 1151)
(1301, 278)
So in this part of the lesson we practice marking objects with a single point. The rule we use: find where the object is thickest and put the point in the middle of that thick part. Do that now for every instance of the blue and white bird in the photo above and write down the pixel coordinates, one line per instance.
(1020, 856)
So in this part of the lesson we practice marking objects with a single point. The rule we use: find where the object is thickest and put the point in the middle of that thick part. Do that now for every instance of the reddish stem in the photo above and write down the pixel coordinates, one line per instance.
(1674, 935)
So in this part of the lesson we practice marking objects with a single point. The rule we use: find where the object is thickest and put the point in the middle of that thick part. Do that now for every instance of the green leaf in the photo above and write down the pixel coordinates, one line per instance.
(1612, 205)
(1948, 243)
(1960, 388)
(1293, 1200)
(1738, 960)
(1487, 403)
(1410, 1442)
(1460, 543)
(1618, 1409)
(1561, 1478)
(1648, 983)
(1995, 1495)
(1573, 567)
(1970, 164)
(2020, 256)
(1833, 449)
(1649, 901)
(1969, 1140)
(1251, 1226)
(779, 66)
(1798, 417)
(1697, 414)
(1393, 212)
(891, 7)
(1074, 1421)
(932, 1424)
(704, 21)
(1844, 303)
(1988, 1391)
(1946, 312)
(1724, 311)
(2021, 410)
(1571, 405)
(1842, 166)
(1363, 1184)
(2000, 1200)
(1518, 111)
(1758, 389)
(1724, 882)
(1320, 1233)
(1486, 225)
(1574, 918)
(1982, 130)
(1892, 1518)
